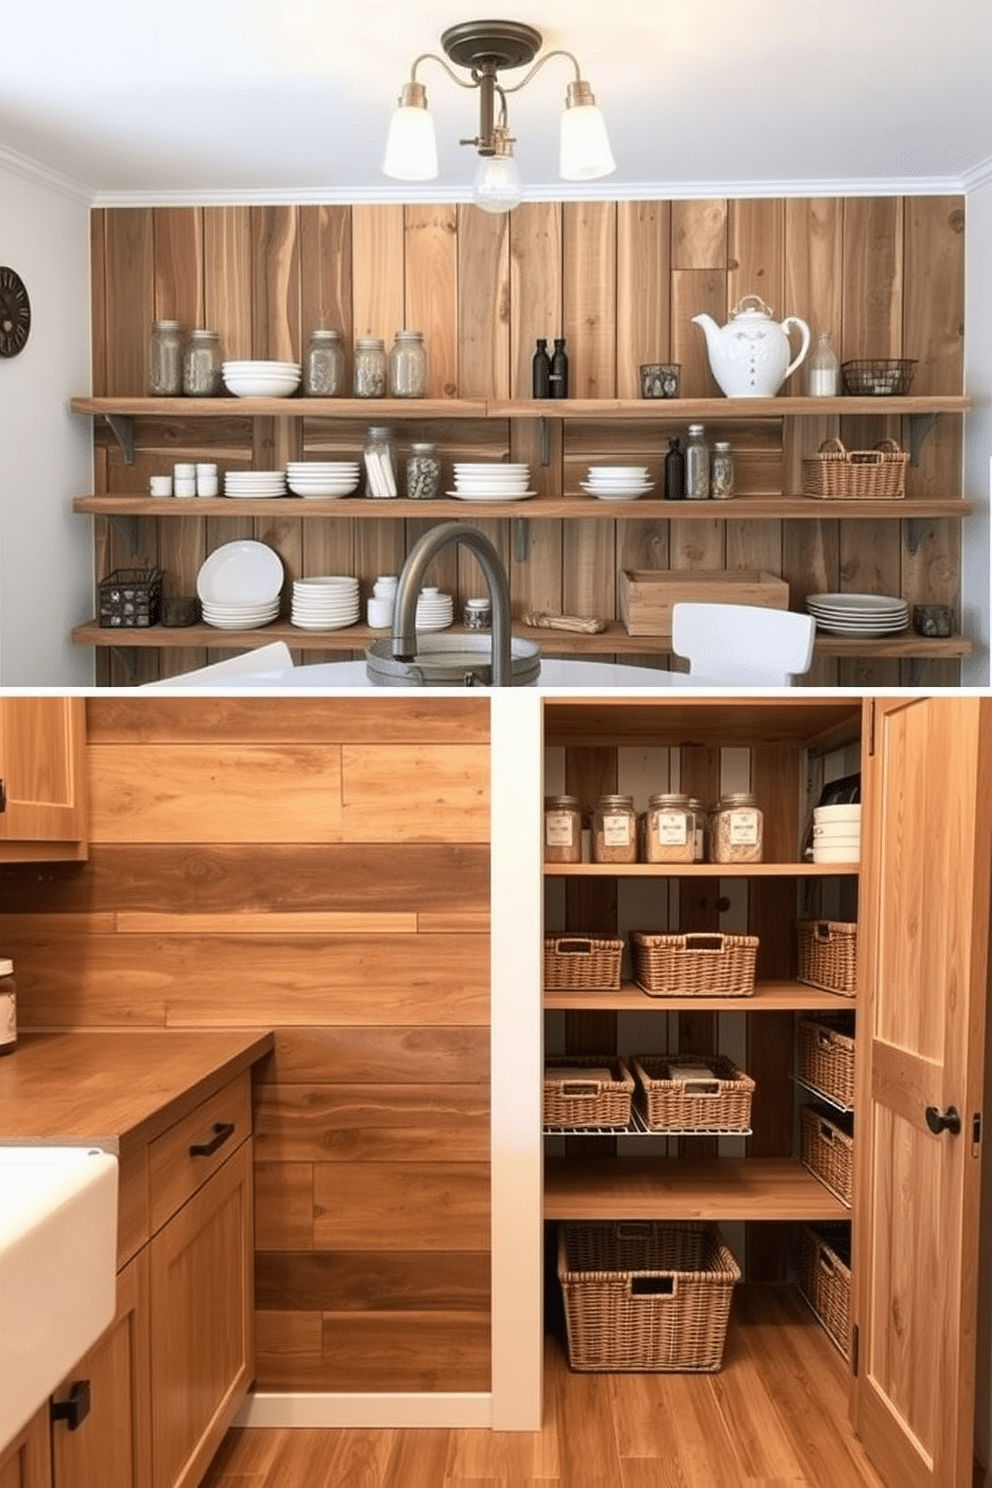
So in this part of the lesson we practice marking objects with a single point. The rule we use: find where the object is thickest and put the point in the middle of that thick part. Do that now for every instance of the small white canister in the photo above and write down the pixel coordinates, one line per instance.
(8, 1007)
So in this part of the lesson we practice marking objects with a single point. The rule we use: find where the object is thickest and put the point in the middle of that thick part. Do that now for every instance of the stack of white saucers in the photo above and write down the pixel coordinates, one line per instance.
(858, 614)
(256, 379)
(329, 602)
(489, 480)
(322, 477)
(254, 483)
(239, 585)
(617, 482)
(836, 834)
(435, 611)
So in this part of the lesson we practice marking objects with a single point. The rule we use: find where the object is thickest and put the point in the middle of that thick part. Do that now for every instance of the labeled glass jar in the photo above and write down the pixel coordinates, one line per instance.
(423, 473)
(323, 365)
(379, 459)
(408, 366)
(697, 465)
(8, 1007)
(721, 471)
(370, 367)
(562, 829)
(736, 830)
(614, 830)
(201, 365)
(669, 829)
(165, 359)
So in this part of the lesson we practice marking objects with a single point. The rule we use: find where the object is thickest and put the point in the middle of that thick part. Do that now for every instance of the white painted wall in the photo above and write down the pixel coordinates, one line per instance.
(975, 538)
(46, 553)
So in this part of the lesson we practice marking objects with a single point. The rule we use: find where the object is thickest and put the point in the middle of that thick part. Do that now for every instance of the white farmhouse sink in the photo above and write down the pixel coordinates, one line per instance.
(58, 1255)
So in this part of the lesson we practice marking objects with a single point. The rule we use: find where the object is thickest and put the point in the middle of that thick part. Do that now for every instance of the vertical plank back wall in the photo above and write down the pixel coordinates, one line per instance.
(622, 281)
(321, 868)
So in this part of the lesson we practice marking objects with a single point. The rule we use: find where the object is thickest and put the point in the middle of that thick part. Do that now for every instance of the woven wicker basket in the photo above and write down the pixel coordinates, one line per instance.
(576, 1094)
(700, 965)
(828, 955)
(838, 474)
(645, 1295)
(826, 1148)
(717, 1095)
(581, 961)
(826, 1055)
(824, 1275)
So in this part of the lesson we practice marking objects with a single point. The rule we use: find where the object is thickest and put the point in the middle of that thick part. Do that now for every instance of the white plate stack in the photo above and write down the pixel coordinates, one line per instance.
(239, 585)
(261, 379)
(329, 602)
(617, 482)
(311, 478)
(254, 483)
(435, 611)
(489, 480)
(836, 834)
(858, 614)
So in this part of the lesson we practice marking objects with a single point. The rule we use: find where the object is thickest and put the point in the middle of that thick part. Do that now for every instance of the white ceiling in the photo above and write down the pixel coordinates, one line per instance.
(279, 99)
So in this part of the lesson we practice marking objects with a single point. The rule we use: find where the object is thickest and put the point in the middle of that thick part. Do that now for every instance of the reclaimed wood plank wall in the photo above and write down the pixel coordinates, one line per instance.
(322, 868)
(622, 281)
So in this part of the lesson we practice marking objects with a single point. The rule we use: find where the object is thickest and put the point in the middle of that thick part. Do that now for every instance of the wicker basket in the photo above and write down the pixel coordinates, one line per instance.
(131, 597)
(645, 1295)
(826, 1148)
(880, 377)
(581, 961)
(824, 1274)
(828, 955)
(687, 1093)
(838, 474)
(826, 1055)
(700, 965)
(587, 1090)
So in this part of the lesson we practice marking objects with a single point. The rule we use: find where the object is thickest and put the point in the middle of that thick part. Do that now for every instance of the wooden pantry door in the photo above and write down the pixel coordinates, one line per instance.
(928, 830)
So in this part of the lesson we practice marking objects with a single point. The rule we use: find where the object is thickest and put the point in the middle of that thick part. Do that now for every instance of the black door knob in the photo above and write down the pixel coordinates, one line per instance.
(938, 1121)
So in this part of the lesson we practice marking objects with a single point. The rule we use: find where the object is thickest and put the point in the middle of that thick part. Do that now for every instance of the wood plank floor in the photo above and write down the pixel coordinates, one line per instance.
(775, 1416)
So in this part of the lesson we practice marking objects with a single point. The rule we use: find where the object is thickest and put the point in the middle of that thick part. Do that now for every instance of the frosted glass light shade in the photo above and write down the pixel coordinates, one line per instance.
(411, 145)
(585, 145)
(497, 185)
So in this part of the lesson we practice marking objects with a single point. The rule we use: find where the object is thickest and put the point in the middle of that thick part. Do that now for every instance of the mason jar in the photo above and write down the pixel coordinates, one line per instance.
(697, 464)
(614, 830)
(370, 367)
(323, 365)
(423, 473)
(165, 359)
(408, 366)
(562, 829)
(379, 458)
(721, 471)
(669, 829)
(736, 829)
(201, 365)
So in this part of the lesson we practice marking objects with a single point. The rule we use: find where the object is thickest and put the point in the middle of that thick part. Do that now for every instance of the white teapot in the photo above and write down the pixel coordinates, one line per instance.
(749, 356)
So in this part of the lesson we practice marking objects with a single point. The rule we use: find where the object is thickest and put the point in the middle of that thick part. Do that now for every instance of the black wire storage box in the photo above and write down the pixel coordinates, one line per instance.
(696, 965)
(826, 1049)
(686, 1093)
(645, 1295)
(875, 377)
(826, 1149)
(587, 1090)
(581, 961)
(828, 955)
(131, 598)
(824, 1277)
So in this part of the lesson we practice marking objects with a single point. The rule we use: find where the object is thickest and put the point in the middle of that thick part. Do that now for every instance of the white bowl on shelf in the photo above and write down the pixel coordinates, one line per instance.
(826, 814)
(847, 854)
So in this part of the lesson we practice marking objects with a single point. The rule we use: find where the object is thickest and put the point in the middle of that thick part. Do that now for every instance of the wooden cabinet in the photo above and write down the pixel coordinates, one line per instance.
(42, 779)
(26, 1462)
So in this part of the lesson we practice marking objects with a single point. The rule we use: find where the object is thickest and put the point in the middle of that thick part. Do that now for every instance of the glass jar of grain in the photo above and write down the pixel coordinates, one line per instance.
(614, 830)
(669, 829)
(736, 830)
(562, 829)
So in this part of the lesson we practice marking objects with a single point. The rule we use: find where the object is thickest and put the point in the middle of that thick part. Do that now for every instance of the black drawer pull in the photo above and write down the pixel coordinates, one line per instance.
(222, 1130)
(74, 1410)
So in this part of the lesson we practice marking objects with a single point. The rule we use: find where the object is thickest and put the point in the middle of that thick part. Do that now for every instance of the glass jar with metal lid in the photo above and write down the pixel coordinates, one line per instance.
(201, 365)
(669, 829)
(165, 359)
(423, 473)
(323, 365)
(370, 367)
(562, 829)
(408, 366)
(614, 830)
(736, 830)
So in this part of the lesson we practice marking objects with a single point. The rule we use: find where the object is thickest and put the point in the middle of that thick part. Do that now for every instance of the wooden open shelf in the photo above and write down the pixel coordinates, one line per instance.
(683, 1188)
(769, 997)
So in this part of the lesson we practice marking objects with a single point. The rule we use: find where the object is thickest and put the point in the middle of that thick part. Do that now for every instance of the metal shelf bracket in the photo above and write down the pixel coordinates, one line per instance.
(127, 527)
(920, 427)
(521, 539)
(122, 427)
(128, 658)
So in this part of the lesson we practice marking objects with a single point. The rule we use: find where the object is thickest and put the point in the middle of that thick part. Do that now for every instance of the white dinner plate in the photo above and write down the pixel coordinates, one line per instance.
(491, 495)
(241, 572)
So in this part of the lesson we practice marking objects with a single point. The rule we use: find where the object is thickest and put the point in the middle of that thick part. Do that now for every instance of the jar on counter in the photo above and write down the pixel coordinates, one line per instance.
(669, 829)
(370, 367)
(562, 829)
(721, 471)
(408, 366)
(423, 473)
(697, 465)
(478, 613)
(614, 830)
(379, 458)
(165, 359)
(736, 830)
(202, 365)
(323, 365)
(8, 1008)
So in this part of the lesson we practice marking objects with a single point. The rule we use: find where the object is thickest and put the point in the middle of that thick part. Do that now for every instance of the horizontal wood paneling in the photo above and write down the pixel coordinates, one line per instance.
(286, 720)
(377, 1351)
(398, 1206)
(384, 1281)
(370, 1123)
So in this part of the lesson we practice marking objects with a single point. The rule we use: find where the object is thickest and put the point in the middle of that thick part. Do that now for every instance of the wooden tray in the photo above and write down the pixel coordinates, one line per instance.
(647, 596)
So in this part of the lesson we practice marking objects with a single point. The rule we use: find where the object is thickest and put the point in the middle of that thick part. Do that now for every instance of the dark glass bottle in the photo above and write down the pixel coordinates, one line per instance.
(541, 371)
(559, 370)
(674, 472)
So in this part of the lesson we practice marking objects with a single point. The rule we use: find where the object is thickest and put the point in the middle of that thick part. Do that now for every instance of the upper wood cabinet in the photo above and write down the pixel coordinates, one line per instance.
(42, 769)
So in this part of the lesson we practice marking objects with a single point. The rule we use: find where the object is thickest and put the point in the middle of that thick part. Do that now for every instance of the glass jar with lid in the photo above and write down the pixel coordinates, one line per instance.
(423, 473)
(379, 458)
(697, 464)
(614, 830)
(736, 829)
(669, 829)
(165, 359)
(562, 829)
(323, 365)
(201, 365)
(370, 367)
(721, 471)
(408, 366)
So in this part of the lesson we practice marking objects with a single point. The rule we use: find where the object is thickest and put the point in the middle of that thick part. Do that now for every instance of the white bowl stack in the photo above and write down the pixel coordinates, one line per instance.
(239, 585)
(249, 484)
(261, 379)
(617, 482)
(435, 611)
(313, 478)
(329, 602)
(491, 480)
(836, 834)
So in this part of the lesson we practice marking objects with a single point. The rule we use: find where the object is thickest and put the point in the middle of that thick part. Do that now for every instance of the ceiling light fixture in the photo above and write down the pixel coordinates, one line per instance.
(486, 48)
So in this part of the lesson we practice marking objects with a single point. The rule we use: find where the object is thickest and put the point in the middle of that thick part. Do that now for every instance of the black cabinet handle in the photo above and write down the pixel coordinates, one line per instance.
(74, 1410)
(3, 796)
(222, 1131)
(939, 1121)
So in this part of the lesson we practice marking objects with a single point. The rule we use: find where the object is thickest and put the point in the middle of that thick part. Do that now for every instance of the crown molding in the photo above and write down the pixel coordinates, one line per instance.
(44, 176)
(980, 175)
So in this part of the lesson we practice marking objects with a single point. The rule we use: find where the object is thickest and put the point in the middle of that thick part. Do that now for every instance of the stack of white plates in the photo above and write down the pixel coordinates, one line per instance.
(617, 482)
(261, 379)
(836, 834)
(322, 477)
(435, 611)
(488, 480)
(239, 585)
(254, 483)
(858, 614)
(327, 603)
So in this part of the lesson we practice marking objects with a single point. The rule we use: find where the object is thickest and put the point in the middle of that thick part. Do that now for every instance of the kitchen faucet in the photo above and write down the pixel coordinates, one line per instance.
(411, 581)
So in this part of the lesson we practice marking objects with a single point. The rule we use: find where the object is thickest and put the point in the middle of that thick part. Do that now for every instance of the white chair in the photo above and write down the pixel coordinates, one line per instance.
(743, 644)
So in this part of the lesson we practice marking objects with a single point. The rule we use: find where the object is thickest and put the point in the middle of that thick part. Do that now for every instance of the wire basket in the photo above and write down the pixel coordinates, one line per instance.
(826, 1149)
(828, 955)
(698, 965)
(826, 1055)
(880, 377)
(643, 1295)
(581, 961)
(824, 1276)
(131, 597)
(839, 474)
(587, 1090)
(688, 1093)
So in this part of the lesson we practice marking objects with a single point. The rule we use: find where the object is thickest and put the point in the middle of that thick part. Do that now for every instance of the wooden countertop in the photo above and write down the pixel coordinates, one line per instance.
(100, 1087)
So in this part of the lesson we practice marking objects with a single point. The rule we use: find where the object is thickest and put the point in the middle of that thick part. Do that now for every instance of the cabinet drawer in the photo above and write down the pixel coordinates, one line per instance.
(182, 1159)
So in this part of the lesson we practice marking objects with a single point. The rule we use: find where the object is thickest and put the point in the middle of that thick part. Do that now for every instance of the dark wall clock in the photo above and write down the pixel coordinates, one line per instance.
(15, 313)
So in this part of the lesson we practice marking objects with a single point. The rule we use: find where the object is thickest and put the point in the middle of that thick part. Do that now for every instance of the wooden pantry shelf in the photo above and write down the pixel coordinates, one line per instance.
(680, 1188)
(768, 997)
(696, 870)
